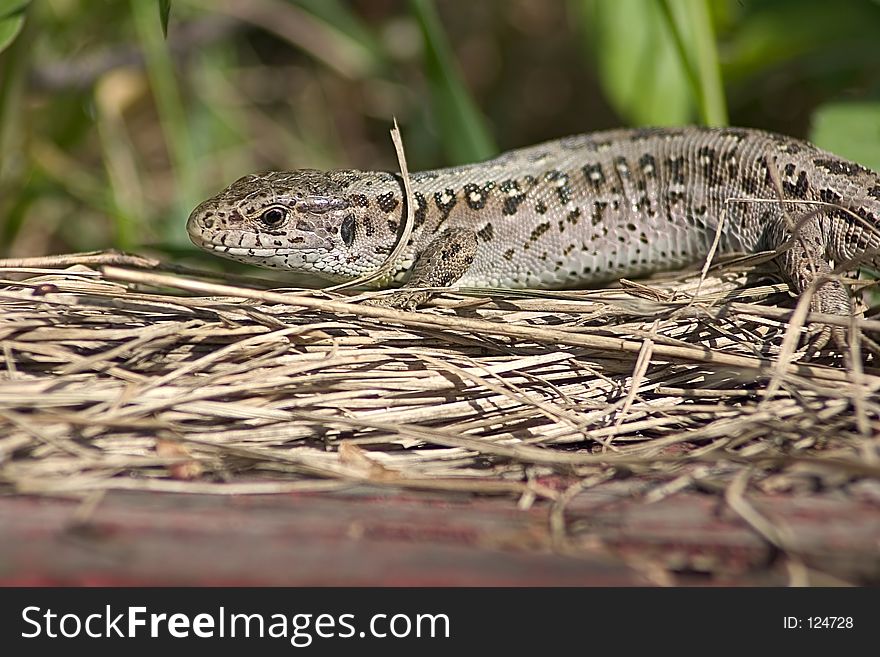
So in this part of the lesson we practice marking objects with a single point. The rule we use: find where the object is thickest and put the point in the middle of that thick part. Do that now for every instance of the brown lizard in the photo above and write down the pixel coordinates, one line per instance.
(568, 213)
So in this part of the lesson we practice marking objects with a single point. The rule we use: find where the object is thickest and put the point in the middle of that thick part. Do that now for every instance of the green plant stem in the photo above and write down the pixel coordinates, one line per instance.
(463, 128)
(699, 56)
(14, 64)
(172, 116)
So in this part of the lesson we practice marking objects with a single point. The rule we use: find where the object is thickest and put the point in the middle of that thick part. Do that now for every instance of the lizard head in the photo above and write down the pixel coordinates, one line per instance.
(305, 221)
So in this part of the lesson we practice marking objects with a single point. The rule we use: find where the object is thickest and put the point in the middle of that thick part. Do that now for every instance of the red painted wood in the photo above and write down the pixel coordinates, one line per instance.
(374, 537)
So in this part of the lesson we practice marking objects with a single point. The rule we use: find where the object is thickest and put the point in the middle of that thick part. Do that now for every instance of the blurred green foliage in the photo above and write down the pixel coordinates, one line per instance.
(110, 131)
(11, 20)
(852, 128)
(641, 72)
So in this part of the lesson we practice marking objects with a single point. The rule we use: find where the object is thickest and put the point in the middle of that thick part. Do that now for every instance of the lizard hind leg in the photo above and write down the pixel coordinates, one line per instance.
(806, 266)
(444, 260)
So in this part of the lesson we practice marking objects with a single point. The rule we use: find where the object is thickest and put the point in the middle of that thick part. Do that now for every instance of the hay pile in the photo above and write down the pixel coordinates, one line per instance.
(125, 378)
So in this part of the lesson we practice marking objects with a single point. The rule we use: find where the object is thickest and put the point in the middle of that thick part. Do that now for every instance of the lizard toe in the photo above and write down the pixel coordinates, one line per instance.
(400, 300)
(830, 299)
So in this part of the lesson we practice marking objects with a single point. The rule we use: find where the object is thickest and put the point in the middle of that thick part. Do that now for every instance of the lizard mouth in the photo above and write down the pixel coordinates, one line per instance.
(246, 251)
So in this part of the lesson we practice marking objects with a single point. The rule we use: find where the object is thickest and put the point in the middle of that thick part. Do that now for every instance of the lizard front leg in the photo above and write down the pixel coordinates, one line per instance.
(446, 258)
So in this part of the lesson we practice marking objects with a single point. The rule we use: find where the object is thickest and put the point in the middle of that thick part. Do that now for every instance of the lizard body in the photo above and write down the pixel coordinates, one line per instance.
(569, 213)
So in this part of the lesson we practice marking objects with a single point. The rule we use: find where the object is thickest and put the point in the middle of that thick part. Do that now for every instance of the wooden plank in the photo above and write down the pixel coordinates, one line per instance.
(371, 536)
(301, 540)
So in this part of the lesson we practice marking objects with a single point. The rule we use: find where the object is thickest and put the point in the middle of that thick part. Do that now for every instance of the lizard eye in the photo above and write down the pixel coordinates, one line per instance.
(346, 230)
(273, 216)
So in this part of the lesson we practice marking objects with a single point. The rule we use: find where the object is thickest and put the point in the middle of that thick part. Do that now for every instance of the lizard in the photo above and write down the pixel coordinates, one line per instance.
(569, 213)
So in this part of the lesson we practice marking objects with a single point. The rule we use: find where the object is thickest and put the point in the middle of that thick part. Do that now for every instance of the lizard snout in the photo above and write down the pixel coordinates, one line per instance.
(207, 219)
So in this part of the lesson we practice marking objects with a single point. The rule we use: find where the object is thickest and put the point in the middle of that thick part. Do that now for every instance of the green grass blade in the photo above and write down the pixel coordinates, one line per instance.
(641, 73)
(164, 15)
(694, 36)
(14, 65)
(343, 19)
(172, 115)
(463, 128)
(12, 13)
(10, 7)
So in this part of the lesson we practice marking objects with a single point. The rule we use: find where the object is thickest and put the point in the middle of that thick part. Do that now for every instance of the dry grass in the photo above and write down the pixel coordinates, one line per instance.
(108, 384)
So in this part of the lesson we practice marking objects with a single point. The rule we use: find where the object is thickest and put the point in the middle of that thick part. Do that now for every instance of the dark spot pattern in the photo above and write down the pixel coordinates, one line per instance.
(648, 166)
(513, 197)
(421, 211)
(761, 164)
(445, 200)
(486, 233)
(866, 215)
(598, 212)
(451, 250)
(676, 169)
(540, 207)
(737, 134)
(508, 255)
(387, 202)
(839, 167)
(730, 164)
(674, 196)
(707, 158)
(643, 134)
(560, 182)
(874, 192)
(595, 175)
(539, 230)
(644, 204)
(475, 196)
(829, 196)
(799, 188)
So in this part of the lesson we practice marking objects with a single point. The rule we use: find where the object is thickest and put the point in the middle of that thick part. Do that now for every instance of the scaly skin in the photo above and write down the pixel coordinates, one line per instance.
(564, 214)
